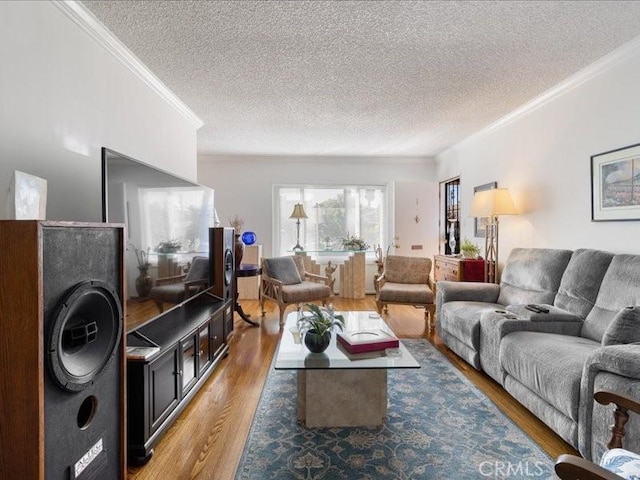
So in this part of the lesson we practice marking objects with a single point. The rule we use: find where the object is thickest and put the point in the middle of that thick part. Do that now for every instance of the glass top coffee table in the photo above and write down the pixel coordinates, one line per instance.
(335, 388)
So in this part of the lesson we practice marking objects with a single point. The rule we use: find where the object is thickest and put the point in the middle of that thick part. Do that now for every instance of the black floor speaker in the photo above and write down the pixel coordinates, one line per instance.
(62, 373)
(221, 242)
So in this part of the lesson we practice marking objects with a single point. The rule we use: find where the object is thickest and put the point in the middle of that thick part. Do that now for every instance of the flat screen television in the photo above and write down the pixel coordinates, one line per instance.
(167, 221)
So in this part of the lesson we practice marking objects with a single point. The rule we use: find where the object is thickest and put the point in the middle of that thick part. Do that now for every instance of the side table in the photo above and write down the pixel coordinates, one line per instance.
(243, 271)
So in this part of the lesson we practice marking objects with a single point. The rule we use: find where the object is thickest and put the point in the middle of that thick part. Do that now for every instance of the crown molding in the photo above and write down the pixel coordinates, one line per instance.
(596, 68)
(86, 20)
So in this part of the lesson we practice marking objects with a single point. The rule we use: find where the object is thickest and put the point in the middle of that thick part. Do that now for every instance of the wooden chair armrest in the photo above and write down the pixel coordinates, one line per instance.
(273, 281)
(380, 281)
(316, 278)
(170, 280)
(570, 467)
(605, 397)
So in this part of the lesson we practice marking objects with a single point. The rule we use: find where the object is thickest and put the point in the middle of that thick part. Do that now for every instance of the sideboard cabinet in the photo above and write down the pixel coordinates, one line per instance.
(457, 269)
(168, 360)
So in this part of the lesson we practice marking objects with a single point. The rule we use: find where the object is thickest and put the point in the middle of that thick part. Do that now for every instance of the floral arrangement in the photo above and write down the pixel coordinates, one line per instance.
(142, 256)
(169, 246)
(237, 223)
(354, 242)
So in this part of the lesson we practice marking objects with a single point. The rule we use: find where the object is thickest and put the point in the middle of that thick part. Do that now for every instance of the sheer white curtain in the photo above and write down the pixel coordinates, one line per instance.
(334, 211)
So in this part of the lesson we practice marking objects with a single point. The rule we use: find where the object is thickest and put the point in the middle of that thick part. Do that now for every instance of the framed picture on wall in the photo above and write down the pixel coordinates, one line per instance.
(615, 185)
(481, 222)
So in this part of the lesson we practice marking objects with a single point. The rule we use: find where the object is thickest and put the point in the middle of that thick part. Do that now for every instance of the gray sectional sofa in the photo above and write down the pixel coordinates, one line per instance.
(553, 362)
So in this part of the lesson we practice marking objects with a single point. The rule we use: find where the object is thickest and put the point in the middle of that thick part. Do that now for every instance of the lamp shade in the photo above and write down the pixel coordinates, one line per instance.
(298, 211)
(488, 203)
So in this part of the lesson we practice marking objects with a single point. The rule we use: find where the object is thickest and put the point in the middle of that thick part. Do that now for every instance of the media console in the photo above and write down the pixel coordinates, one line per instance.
(168, 360)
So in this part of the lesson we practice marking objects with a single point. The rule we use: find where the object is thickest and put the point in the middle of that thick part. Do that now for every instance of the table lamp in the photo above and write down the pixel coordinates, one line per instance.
(491, 204)
(298, 213)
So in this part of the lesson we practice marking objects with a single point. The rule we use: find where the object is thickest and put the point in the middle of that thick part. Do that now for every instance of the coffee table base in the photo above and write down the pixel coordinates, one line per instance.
(342, 398)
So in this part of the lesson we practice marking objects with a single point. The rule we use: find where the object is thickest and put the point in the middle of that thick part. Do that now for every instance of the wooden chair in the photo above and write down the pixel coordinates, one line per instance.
(178, 288)
(616, 463)
(406, 281)
(285, 282)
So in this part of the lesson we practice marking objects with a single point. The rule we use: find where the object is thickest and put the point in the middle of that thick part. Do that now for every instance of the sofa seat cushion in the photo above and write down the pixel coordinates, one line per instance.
(462, 320)
(406, 293)
(548, 364)
(622, 462)
(304, 292)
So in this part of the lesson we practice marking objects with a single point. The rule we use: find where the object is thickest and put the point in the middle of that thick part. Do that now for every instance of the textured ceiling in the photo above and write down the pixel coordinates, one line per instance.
(347, 78)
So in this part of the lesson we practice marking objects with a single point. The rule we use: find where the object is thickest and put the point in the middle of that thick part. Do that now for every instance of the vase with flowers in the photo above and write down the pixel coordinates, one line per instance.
(237, 223)
(144, 282)
(354, 242)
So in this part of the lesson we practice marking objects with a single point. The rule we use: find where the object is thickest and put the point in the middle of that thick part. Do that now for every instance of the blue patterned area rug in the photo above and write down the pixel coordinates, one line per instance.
(439, 427)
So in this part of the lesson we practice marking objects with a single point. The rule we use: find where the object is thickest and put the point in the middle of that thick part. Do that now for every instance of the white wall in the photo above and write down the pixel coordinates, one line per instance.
(543, 157)
(244, 187)
(63, 97)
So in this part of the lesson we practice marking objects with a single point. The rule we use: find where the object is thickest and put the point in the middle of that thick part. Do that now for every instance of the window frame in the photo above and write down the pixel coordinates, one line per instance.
(387, 191)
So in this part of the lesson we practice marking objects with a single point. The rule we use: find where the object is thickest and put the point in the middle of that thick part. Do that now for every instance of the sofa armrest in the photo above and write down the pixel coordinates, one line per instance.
(468, 291)
(617, 364)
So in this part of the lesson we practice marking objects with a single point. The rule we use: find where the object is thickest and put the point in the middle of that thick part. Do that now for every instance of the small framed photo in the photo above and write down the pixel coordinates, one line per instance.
(615, 185)
(27, 197)
(481, 223)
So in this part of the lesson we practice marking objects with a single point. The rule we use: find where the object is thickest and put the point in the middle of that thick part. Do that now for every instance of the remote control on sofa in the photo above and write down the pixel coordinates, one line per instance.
(536, 308)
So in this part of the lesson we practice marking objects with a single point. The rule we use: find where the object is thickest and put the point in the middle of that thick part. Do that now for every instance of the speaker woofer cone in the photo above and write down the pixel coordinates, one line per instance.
(228, 267)
(84, 334)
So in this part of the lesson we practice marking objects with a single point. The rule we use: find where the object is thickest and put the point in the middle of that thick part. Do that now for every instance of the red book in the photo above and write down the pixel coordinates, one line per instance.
(367, 340)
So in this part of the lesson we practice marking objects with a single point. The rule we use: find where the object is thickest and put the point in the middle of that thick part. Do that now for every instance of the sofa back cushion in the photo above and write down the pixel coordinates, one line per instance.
(581, 281)
(399, 269)
(532, 275)
(620, 288)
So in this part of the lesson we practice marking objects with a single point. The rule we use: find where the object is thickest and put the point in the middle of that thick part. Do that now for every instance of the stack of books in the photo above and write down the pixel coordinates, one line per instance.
(361, 341)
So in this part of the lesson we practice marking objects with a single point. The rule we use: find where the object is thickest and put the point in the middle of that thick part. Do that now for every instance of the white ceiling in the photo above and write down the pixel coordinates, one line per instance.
(356, 78)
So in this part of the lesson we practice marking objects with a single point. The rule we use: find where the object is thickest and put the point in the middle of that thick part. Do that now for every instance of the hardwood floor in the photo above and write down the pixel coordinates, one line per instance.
(207, 440)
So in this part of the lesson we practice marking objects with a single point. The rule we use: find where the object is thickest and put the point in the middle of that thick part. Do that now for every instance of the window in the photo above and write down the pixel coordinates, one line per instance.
(183, 214)
(334, 212)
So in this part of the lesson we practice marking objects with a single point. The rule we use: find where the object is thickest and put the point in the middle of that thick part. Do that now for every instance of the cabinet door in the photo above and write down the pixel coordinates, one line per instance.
(228, 321)
(217, 332)
(165, 389)
(188, 356)
(204, 348)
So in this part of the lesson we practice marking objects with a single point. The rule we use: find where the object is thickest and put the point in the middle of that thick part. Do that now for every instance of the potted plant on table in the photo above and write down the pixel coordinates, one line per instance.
(169, 246)
(316, 326)
(354, 242)
(469, 249)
